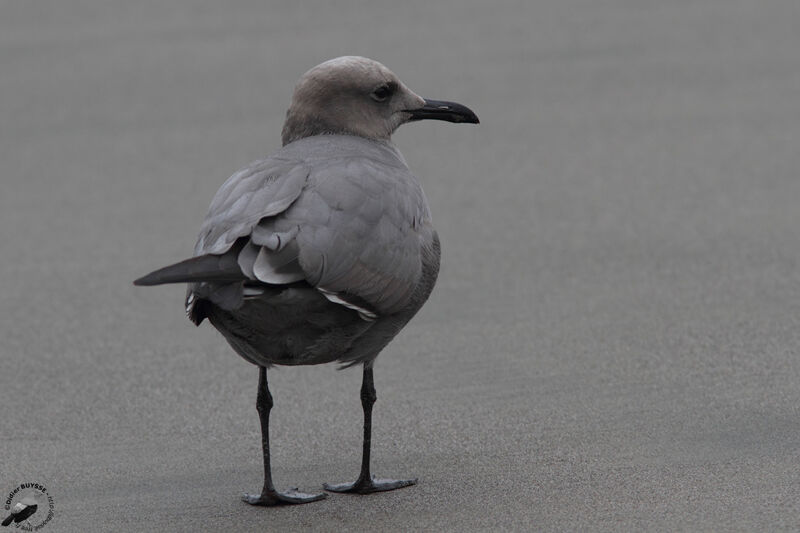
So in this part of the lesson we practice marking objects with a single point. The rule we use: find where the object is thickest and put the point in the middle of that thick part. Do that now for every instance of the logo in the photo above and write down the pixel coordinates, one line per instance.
(28, 507)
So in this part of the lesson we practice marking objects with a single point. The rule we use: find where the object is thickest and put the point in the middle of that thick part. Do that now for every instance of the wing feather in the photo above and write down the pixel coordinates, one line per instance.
(371, 249)
(263, 189)
(345, 222)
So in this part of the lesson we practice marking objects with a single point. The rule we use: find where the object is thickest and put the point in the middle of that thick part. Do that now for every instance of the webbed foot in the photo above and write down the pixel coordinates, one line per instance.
(290, 497)
(367, 486)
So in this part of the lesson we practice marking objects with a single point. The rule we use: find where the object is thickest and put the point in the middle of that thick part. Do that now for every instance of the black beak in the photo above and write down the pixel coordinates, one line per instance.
(441, 110)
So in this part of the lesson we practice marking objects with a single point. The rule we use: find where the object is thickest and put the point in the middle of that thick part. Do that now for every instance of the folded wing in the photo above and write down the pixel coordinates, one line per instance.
(348, 226)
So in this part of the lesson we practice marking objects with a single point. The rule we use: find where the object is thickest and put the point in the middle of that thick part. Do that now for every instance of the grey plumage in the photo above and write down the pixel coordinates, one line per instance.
(338, 226)
(325, 250)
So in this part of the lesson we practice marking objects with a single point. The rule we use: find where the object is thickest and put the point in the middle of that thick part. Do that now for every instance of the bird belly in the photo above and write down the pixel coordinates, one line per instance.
(289, 326)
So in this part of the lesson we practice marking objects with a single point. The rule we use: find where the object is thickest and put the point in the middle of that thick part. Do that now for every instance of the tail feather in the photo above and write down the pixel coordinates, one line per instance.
(8, 520)
(213, 268)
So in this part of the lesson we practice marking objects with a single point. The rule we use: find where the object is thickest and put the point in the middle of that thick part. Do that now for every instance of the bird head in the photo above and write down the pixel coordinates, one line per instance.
(358, 96)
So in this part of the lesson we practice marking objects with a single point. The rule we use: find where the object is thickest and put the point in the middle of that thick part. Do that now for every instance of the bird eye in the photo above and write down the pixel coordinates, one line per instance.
(381, 93)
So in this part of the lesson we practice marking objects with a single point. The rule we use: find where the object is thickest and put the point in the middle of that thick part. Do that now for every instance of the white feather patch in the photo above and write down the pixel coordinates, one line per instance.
(365, 314)
(250, 292)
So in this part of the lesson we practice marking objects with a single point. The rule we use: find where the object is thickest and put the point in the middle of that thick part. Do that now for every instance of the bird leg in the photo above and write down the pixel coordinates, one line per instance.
(269, 496)
(367, 483)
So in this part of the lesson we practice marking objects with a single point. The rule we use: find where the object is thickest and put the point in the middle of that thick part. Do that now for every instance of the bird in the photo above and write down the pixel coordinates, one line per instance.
(323, 251)
(22, 511)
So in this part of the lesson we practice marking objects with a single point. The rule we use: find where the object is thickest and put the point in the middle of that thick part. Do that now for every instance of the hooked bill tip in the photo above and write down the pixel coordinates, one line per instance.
(443, 110)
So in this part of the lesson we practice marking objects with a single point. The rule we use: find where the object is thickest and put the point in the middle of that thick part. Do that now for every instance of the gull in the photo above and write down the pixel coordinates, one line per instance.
(325, 250)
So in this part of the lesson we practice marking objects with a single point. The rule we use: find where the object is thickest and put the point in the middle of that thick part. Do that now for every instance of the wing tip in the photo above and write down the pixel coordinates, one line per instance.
(148, 280)
(144, 281)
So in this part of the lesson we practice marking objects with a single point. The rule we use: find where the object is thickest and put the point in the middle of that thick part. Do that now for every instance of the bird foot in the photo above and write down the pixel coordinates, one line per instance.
(367, 486)
(273, 498)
